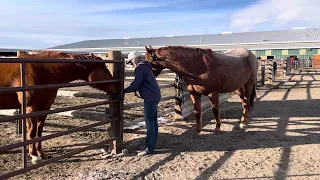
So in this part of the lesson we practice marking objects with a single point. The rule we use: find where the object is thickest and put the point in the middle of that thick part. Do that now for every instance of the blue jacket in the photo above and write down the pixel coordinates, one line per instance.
(145, 82)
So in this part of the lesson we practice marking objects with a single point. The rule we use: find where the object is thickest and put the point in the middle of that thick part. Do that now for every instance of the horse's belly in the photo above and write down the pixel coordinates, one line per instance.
(202, 90)
(234, 83)
(9, 101)
(231, 87)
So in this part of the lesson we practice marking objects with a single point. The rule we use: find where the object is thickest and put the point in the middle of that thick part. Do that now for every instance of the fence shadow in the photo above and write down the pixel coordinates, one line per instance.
(230, 141)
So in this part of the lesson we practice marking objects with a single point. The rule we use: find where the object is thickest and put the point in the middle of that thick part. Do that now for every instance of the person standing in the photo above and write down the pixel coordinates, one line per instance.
(310, 62)
(145, 82)
(274, 70)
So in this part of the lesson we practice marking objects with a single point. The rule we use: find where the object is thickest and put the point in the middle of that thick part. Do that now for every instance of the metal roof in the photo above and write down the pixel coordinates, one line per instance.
(12, 50)
(5, 50)
(294, 38)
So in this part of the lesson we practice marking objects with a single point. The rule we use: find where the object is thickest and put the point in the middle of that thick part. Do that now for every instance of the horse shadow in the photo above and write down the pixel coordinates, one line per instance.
(275, 118)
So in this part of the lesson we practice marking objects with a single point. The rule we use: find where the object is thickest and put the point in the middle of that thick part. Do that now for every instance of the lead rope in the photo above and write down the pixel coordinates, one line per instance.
(179, 84)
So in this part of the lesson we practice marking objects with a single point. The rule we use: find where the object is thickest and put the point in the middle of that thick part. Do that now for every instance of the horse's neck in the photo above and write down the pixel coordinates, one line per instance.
(66, 72)
(184, 66)
(173, 66)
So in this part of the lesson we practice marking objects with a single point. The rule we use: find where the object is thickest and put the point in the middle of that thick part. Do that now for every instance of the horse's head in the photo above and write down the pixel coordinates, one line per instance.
(154, 59)
(100, 72)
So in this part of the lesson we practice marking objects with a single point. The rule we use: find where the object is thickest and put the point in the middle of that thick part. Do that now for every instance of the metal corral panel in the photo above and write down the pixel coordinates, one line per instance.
(316, 61)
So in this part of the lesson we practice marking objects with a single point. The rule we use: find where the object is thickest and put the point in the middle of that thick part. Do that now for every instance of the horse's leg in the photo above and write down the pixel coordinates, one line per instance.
(31, 125)
(51, 96)
(244, 101)
(32, 132)
(214, 99)
(40, 124)
(196, 100)
(247, 94)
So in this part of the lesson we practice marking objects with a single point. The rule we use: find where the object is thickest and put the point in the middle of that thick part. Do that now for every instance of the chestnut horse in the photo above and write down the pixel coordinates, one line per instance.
(48, 73)
(209, 73)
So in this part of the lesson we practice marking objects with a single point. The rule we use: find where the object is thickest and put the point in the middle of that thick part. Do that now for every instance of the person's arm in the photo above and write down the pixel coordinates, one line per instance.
(138, 74)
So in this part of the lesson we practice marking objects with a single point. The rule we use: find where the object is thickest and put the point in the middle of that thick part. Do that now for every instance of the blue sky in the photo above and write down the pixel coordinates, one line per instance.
(37, 24)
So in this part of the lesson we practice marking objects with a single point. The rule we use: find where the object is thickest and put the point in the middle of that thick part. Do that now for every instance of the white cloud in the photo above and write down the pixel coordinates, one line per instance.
(276, 14)
(72, 7)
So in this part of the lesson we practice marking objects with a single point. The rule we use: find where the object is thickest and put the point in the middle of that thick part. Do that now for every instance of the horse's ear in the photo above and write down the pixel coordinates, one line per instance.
(147, 49)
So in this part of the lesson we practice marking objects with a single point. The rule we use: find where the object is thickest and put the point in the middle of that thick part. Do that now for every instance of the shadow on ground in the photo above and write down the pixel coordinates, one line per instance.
(230, 141)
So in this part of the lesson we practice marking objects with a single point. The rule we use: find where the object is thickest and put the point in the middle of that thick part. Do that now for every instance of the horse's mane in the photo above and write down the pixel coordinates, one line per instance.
(55, 54)
(187, 51)
(190, 51)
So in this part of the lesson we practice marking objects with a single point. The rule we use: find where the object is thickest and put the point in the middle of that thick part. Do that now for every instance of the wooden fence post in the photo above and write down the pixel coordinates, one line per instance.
(270, 69)
(263, 73)
(116, 109)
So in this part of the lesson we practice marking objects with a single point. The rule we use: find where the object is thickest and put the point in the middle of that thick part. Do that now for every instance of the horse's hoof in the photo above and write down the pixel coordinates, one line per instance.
(35, 159)
(197, 132)
(43, 155)
(242, 126)
(217, 131)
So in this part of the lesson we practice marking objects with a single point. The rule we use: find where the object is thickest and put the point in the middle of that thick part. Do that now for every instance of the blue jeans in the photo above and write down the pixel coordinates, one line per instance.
(151, 119)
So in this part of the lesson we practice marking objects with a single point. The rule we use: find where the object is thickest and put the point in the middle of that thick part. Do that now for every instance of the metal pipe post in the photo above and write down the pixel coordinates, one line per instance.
(23, 111)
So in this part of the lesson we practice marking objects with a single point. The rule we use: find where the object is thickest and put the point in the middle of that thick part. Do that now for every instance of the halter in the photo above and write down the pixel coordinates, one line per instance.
(153, 56)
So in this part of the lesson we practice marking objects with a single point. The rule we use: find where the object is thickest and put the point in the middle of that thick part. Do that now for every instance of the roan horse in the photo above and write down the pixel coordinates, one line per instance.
(48, 73)
(209, 73)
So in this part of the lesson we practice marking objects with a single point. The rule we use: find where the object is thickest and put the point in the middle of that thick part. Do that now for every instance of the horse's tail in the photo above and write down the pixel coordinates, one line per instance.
(254, 67)
(253, 62)
(253, 96)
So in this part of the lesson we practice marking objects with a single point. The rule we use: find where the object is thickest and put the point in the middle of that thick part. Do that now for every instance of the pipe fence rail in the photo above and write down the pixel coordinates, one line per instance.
(115, 116)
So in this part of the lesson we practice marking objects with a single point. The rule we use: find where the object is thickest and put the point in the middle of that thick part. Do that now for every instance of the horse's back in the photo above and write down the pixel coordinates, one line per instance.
(244, 53)
(238, 52)
(239, 66)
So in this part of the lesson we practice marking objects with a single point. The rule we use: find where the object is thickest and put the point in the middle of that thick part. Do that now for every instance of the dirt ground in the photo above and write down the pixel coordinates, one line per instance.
(281, 142)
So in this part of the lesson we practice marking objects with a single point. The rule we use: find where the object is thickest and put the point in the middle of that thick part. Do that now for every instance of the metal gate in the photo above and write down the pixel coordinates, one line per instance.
(116, 117)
